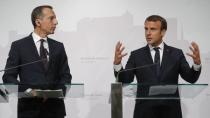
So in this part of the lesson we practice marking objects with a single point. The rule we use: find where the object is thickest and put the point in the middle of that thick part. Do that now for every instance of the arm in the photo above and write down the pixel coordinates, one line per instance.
(64, 71)
(122, 76)
(10, 75)
(191, 74)
(187, 73)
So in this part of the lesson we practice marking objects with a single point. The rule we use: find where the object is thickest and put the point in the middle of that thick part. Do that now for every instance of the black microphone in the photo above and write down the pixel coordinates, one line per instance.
(25, 64)
(135, 68)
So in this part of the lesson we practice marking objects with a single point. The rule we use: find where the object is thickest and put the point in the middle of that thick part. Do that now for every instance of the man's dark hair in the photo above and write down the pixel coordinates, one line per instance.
(37, 12)
(155, 18)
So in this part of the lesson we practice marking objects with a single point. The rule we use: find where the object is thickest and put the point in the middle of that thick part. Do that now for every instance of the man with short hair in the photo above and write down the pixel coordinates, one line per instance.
(50, 70)
(161, 65)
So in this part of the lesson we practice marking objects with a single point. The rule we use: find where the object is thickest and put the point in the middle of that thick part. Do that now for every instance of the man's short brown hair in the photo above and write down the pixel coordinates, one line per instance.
(37, 12)
(155, 18)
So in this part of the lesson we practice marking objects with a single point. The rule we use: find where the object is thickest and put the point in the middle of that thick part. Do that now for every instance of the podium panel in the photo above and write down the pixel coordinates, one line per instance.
(75, 90)
(152, 91)
(78, 103)
(123, 96)
(127, 94)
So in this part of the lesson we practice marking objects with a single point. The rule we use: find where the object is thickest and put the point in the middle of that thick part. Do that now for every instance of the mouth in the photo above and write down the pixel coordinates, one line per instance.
(149, 39)
(53, 29)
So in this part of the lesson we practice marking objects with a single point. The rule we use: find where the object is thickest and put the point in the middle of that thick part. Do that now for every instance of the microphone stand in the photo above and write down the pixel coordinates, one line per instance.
(130, 69)
(4, 93)
(22, 65)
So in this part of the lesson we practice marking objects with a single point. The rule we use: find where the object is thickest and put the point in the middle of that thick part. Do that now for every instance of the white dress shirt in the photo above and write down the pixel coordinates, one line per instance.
(37, 42)
(152, 51)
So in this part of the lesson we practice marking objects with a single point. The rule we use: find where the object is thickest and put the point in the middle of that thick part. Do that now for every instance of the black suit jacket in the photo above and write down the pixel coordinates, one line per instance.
(34, 76)
(173, 64)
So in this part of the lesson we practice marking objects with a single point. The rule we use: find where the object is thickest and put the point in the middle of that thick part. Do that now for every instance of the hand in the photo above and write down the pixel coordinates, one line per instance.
(44, 98)
(30, 92)
(33, 93)
(195, 53)
(118, 53)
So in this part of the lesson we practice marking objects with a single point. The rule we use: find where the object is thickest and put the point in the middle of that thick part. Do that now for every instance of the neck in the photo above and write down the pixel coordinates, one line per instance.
(157, 44)
(40, 33)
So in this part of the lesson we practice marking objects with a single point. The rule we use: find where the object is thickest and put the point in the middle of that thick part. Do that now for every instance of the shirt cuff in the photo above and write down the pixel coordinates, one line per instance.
(197, 67)
(118, 67)
(28, 90)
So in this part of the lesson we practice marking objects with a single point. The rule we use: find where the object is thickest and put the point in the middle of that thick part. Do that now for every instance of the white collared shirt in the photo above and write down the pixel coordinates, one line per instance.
(37, 42)
(152, 51)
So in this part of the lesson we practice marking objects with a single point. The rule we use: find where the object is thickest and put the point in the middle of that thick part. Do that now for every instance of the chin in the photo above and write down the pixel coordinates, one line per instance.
(51, 32)
(150, 43)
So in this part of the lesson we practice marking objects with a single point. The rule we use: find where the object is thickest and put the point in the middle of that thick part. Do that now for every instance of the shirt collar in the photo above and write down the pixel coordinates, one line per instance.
(37, 38)
(161, 46)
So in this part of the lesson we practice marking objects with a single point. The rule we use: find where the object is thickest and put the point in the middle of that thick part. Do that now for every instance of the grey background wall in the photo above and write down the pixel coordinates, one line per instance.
(90, 29)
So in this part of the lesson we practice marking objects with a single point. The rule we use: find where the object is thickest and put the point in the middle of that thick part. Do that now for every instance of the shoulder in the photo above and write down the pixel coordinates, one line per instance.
(22, 41)
(141, 50)
(172, 49)
(52, 41)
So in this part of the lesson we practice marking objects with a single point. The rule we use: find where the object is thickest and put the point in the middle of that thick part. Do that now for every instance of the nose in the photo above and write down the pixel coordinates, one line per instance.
(56, 22)
(148, 32)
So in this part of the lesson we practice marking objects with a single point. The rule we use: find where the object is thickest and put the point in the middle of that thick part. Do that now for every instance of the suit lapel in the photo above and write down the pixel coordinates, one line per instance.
(148, 60)
(165, 60)
(34, 52)
(148, 55)
(33, 47)
(51, 49)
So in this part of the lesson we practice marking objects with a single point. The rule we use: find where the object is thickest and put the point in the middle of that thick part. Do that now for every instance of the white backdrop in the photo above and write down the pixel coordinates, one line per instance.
(90, 29)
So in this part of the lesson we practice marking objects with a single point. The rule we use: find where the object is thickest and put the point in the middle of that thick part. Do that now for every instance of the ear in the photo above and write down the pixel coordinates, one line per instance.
(163, 32)
(38, 22)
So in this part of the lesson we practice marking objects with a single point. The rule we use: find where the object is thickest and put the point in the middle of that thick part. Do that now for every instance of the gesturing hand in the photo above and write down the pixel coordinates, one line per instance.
(118, 53)
(195, 53)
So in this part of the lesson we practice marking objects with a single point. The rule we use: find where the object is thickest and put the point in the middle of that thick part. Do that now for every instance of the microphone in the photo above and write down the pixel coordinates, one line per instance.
(21, 65)
(135, 68)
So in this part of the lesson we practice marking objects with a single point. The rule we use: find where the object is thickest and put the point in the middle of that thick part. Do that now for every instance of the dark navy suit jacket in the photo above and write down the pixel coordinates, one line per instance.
(35, 76)
(173, 64)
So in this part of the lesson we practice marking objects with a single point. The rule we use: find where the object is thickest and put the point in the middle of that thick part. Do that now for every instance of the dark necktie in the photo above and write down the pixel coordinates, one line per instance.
(43, 54)
(157, 60)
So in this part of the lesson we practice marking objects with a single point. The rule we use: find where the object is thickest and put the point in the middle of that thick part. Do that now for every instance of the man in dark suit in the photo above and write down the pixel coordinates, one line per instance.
(161, 65)
(50, 70)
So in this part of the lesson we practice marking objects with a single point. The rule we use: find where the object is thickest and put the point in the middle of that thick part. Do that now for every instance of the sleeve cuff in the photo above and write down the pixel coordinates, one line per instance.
(118, 67)
(196, 67)
(28, 90)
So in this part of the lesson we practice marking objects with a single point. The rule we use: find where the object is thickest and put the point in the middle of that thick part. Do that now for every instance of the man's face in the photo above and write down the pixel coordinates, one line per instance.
(47, 22)
(153, 32)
